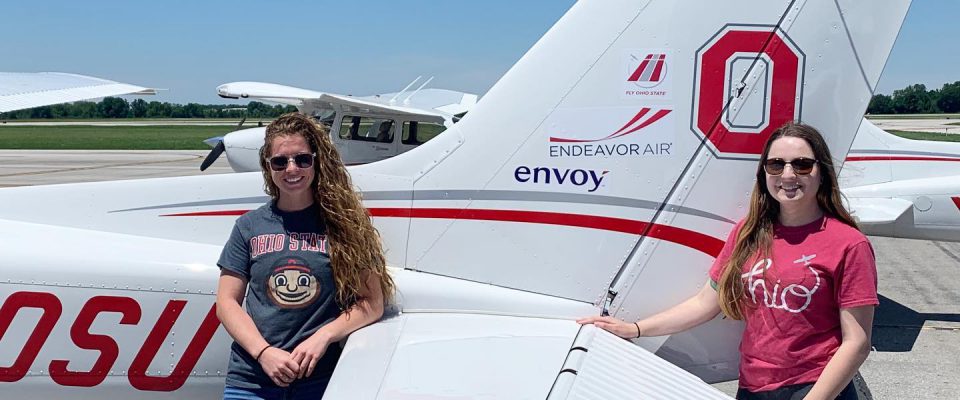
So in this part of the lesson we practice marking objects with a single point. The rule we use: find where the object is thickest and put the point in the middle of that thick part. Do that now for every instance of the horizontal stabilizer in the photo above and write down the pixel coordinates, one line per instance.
(870, 211)
(603, 366)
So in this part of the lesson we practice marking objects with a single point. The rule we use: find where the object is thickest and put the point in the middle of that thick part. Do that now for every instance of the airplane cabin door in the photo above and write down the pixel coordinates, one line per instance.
(367, 139)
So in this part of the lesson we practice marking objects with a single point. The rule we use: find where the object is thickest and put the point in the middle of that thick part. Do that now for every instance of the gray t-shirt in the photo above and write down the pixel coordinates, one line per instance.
(290, 287)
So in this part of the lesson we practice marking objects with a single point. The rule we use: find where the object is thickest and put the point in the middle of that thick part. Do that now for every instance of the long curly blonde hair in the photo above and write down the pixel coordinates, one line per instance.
(355, 248)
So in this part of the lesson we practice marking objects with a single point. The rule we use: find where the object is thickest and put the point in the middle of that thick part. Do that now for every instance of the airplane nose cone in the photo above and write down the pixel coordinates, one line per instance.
(214, 141)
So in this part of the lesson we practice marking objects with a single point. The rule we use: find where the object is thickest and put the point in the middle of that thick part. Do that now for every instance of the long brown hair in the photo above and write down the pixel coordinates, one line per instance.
(756, 233)
(355, 248)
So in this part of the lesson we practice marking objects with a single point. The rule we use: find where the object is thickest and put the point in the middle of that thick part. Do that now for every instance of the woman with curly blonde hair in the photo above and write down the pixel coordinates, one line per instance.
(796, 270)
(309, 264)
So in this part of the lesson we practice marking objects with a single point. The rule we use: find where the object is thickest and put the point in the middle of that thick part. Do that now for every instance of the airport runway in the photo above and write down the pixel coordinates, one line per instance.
(44, 167)
(916, 333)
(939, 125)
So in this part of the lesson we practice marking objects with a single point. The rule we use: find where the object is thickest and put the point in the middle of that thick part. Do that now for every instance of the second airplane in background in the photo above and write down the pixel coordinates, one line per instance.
(364, 129)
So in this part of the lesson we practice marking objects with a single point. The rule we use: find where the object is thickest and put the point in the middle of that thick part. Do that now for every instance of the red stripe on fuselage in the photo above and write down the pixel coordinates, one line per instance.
(695, 240)
(224, 213)
(956, 200)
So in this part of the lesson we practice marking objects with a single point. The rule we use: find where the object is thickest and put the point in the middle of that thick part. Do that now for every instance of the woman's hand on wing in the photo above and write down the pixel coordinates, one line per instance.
(279, 366)
(308, 352)
(626, 330)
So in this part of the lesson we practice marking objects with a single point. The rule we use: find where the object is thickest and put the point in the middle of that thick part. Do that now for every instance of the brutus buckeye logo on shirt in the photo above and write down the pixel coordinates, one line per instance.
(291, 285)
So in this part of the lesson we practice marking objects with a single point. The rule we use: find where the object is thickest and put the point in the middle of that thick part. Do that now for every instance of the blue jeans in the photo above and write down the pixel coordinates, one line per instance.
(794, 392)
(304, 391)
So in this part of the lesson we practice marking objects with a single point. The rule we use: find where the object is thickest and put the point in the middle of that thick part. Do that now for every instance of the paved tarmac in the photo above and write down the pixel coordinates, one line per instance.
(44, 167)
(919, 125)
(916, 334)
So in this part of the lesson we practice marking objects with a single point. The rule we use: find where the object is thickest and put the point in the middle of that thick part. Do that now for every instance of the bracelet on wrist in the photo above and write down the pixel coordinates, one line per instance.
(637, 324)
(260, 353)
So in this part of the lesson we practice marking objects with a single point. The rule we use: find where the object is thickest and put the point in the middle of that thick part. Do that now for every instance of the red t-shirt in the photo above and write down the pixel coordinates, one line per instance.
(794, 300)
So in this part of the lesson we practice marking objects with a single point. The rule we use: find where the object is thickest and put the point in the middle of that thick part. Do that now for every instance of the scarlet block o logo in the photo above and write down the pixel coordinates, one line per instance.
(715, 86)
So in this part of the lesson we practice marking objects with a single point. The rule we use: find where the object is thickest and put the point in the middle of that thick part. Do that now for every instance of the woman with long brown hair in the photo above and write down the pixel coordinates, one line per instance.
(796, 270)
(309, 263)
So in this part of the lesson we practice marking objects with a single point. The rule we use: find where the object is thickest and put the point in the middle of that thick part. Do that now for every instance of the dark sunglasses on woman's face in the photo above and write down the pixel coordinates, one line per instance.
(302, 160)
(801, 166)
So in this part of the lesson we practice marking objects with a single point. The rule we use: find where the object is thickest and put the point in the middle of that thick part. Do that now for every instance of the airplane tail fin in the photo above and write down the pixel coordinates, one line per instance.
(902, 187)
(618, 152)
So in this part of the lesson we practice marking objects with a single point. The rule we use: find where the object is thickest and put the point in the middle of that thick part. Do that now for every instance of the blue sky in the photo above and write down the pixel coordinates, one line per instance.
(356, 47)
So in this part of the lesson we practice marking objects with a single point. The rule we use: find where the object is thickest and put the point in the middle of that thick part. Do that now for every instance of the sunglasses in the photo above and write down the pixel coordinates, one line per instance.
(801, 166)
(302, 160)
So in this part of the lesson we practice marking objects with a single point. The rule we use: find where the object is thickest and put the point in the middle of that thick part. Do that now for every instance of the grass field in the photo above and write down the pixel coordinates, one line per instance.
(940, 137)
(75, 137)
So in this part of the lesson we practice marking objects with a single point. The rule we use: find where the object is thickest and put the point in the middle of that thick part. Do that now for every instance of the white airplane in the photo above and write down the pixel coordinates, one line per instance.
(901, 187)
(364, 129)
(22, 90)
(600, 174)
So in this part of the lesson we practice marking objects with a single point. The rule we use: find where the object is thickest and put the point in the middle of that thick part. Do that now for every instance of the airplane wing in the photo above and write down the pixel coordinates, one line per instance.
(427, 102)
(366, 104)
(34, 89)
(266, 91)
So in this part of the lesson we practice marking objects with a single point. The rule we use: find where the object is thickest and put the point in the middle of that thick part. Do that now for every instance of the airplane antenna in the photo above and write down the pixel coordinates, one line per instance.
(393, 100)
(407, 100)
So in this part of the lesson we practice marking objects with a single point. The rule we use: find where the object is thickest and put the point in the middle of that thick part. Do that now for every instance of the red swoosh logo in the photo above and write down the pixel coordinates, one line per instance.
(626, 129)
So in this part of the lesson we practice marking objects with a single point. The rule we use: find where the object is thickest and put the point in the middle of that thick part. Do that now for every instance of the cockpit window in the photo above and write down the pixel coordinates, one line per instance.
(419, 132)
(325, 117)
(367, 129)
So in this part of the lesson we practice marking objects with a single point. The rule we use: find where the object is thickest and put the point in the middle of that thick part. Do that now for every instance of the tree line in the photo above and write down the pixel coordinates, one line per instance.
(913, 99)
(916, 99)
(115, 107)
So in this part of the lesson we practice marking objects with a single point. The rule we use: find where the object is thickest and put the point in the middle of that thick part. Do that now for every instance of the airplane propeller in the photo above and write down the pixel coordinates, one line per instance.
(212, 156)
(218, 148)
